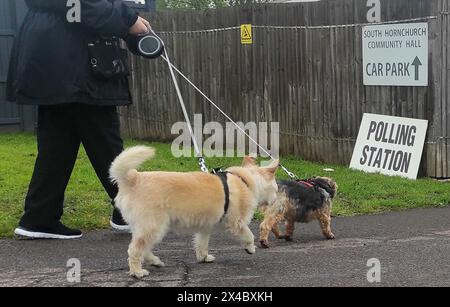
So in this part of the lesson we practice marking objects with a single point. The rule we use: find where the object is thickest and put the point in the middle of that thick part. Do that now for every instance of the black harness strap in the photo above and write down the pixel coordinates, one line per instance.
(223, 177)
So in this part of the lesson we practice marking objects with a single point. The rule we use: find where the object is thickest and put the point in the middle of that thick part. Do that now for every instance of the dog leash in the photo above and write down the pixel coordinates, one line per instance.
(201, 159)
(202, 162)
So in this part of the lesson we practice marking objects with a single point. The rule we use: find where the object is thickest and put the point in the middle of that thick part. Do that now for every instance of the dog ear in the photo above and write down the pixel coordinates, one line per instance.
(249, 161)
(273, 167)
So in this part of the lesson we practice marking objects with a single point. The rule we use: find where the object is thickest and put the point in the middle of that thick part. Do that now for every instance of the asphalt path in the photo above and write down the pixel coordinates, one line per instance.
(412, 249)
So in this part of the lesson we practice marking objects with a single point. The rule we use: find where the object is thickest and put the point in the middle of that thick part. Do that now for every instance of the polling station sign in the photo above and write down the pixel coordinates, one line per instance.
(389, 145)
(395, 54)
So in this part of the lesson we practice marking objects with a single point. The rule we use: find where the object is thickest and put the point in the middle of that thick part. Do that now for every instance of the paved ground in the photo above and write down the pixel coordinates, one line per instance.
(413, 248)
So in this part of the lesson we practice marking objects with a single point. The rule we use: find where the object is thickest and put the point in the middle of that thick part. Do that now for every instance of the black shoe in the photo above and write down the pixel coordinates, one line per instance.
(57, 232)
(117, 221)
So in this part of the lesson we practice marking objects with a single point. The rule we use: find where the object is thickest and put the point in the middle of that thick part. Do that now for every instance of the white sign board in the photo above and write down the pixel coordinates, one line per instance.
(396, 55)
(389, 145)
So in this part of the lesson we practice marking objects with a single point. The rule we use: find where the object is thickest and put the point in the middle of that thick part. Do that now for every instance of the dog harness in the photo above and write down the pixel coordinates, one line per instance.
(311, 183)
(306, 183)
(223, 178)
(223, 175)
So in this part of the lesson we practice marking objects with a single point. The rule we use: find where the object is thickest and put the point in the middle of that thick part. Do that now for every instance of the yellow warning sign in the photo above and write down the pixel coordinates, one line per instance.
(246, 34)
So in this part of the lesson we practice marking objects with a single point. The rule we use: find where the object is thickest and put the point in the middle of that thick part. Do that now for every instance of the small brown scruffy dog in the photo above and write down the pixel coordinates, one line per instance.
(153, 203)
(302, 202)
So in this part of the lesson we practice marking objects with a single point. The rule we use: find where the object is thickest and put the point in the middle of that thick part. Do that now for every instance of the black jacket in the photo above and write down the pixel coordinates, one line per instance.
(50, 62)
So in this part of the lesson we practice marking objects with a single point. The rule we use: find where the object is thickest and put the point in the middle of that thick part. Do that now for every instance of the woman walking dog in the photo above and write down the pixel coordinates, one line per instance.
(76, 73)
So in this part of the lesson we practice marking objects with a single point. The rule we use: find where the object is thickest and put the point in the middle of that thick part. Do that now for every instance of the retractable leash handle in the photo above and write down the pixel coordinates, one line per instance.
(149, 46)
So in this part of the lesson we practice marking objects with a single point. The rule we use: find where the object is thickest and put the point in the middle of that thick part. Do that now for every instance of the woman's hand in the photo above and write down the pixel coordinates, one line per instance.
(141, 27)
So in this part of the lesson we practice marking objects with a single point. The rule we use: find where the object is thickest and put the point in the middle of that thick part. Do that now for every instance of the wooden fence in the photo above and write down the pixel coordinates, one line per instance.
(304, 70)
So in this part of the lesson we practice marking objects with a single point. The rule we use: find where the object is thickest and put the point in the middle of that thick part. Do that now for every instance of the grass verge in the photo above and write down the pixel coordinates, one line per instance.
(87, 206)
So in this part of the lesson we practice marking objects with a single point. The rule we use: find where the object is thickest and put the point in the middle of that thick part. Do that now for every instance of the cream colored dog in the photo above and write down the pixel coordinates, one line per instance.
(153, 203)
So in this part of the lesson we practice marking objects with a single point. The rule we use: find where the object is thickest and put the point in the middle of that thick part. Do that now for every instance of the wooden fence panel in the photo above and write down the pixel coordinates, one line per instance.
(304, 70)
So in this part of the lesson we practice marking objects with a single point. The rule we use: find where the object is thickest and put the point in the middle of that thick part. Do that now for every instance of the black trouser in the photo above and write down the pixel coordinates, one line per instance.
(61, 130)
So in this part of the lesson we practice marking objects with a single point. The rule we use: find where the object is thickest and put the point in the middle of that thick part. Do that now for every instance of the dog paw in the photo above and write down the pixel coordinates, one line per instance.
(330, 236)
(288, 238)
(158, 263)
(154, 261)
(139, 274)
(209, 259)
(251, 249)
(264, 244)
(206, 259)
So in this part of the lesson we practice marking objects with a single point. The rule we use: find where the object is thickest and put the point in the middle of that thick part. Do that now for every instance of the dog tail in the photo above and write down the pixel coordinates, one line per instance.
(129, 159)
